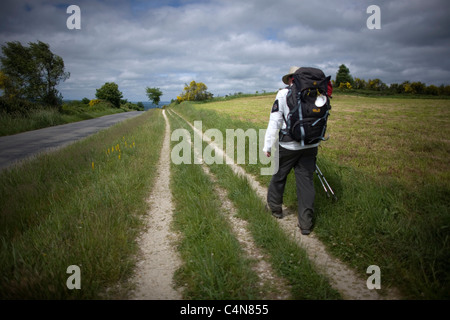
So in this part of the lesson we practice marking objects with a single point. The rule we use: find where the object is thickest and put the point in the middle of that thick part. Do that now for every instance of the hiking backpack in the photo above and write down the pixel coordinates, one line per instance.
(307, 120)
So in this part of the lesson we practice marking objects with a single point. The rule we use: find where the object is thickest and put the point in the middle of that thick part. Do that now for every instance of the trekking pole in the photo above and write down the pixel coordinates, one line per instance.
(321, 181)
(321, 176)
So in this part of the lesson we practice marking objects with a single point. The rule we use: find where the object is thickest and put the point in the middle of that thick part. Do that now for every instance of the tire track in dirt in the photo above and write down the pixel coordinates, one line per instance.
(159, 259)
(342, 278)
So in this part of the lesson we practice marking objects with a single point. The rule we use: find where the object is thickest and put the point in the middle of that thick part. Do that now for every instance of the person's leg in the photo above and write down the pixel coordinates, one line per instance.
(304, 171)
(287, 160)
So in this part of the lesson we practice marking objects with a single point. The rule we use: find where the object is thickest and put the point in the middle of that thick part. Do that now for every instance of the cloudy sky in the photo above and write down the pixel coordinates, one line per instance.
(232, 45)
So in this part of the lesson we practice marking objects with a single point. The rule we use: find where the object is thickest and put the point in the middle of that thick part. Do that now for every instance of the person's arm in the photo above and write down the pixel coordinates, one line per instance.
(275, 123)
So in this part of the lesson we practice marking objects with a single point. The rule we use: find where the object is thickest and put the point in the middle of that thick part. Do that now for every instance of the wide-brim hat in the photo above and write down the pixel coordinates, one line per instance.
(291, 72)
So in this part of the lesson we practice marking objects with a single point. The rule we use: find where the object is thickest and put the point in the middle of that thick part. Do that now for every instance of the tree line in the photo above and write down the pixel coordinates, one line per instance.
(30, 74)
(344, 81)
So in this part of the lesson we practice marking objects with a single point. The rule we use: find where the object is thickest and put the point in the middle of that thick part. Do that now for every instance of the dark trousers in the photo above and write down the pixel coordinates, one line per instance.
(304, 164)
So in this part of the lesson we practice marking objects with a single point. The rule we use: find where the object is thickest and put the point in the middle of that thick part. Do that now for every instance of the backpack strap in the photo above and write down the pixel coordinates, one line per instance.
(284, 133)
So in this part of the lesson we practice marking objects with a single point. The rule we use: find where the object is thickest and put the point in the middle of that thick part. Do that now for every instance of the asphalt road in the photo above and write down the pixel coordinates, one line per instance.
(24, 145)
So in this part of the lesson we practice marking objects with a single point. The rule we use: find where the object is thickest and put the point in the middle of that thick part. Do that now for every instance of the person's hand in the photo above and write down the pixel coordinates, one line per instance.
(268, 154)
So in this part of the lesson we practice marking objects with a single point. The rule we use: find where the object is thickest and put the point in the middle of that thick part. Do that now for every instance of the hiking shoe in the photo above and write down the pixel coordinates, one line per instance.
(304, 232)
(278, 215)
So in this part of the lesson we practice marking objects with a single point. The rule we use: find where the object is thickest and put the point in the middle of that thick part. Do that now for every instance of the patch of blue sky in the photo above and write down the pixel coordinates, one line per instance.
(270, 34)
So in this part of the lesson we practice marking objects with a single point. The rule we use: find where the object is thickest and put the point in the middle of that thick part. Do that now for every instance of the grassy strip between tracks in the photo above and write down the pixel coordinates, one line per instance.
(78, 206)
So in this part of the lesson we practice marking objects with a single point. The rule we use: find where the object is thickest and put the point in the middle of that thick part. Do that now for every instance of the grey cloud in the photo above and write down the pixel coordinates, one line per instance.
(230, 45)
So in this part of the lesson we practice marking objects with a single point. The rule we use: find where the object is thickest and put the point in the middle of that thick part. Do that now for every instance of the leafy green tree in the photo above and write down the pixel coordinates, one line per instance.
(7, 86)
(406, 87)
(110, 92)
(432, 90)
(418, 87)
(154, 95)
(343, 75)
(345, 86)
(444, 90)
(395, 88)
(376, 85)
(17, 68)
(359, 83)
(32, 72)
(140, 106)
(195, 91)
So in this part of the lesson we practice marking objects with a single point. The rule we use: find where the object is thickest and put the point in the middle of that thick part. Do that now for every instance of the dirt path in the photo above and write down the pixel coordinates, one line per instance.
(279, 289)
(159, 259)
(342, 278)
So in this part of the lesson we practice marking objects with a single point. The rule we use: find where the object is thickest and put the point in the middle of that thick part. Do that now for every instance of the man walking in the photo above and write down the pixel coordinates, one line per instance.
(292, 154)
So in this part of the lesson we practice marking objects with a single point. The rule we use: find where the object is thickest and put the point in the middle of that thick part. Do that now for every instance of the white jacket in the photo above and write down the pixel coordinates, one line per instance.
(276, 122)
